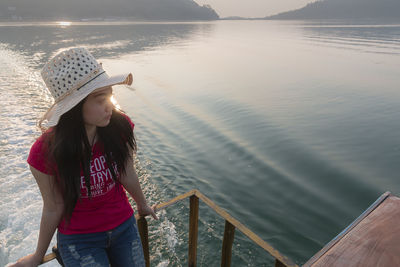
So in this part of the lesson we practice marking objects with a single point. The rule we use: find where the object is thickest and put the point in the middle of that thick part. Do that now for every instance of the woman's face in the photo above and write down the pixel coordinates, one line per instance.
(98, 107)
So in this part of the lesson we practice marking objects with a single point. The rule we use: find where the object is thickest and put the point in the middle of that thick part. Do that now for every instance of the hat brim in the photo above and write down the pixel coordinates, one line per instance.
(52, 116)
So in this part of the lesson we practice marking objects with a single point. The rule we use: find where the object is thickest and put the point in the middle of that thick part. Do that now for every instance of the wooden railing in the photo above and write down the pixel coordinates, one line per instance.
(230, 225)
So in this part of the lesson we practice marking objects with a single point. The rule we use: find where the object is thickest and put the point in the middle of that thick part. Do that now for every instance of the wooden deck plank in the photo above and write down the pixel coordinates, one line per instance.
(373, 242)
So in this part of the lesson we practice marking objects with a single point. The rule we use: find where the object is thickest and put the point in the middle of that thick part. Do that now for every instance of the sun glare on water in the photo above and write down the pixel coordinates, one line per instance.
(64, 23)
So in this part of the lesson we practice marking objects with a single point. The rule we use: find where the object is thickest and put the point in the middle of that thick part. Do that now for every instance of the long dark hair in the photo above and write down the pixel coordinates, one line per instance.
(69, 151)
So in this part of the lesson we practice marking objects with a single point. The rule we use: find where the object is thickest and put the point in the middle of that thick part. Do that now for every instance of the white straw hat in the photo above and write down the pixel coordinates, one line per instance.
(72, 75)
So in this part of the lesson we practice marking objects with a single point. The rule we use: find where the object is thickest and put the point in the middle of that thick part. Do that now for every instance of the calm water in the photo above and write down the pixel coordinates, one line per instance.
(292, 127)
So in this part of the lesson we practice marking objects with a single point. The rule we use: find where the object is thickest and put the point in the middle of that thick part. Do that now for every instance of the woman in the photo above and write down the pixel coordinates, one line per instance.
(82, 163)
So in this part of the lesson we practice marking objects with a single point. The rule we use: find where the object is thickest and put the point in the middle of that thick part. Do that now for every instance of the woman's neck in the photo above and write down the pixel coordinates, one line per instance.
(91, 133)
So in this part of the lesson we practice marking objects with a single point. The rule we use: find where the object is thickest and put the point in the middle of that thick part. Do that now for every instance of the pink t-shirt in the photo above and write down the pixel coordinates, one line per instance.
(108, 206)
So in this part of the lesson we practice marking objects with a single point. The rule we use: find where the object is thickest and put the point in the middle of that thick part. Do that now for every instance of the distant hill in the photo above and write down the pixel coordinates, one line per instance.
(105, 9)
(345, 9)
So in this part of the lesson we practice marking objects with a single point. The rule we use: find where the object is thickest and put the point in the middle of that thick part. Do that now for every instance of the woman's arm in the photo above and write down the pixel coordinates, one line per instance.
(51, 215)
(131, 183)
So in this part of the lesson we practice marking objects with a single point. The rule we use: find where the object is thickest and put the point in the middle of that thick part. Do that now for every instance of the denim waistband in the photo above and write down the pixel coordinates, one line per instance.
(115, 231)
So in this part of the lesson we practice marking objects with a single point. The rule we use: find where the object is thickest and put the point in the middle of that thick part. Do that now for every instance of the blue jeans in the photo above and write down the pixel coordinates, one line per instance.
(118, 247)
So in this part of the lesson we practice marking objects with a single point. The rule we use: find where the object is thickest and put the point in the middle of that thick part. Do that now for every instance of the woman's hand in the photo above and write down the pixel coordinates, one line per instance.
(28, 261)
(147, 210)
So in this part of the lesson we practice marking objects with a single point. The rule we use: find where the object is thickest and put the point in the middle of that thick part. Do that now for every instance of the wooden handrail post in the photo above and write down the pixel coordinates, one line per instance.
(278, 263)
(229, 236)
(144, 236)
(193, 230)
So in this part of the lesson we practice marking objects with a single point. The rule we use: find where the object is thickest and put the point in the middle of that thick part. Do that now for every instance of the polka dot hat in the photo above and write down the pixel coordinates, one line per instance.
(72, 75)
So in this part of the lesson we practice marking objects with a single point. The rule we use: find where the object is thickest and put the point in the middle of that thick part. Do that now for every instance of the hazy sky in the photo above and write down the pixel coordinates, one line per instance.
(253, 8)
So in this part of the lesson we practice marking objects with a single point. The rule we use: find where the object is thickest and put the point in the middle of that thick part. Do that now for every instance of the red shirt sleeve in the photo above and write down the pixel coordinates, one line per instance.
(37, 157)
